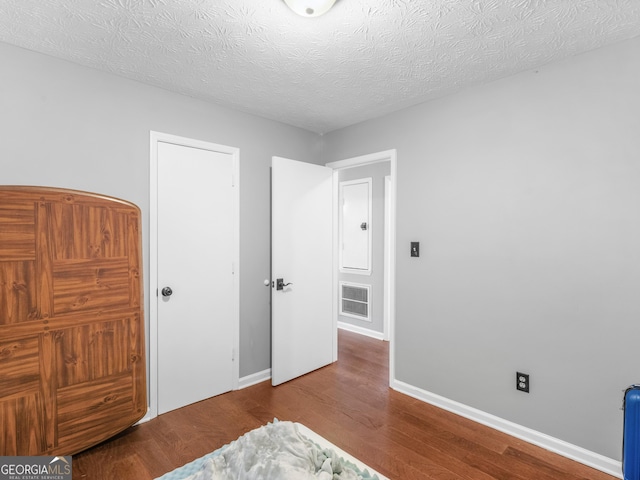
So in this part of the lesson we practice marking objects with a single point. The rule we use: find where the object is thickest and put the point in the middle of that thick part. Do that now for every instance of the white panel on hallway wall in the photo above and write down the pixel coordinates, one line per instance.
(355, 226)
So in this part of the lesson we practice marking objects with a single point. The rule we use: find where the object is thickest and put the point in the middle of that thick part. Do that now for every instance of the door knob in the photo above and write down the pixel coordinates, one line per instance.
(167, 292)
(280, 284)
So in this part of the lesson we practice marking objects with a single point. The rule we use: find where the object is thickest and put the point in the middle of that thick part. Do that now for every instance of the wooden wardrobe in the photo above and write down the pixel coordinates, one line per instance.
(72, 361)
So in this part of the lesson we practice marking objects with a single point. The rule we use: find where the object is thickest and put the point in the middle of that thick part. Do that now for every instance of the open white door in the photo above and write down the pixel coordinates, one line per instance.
(302, 326)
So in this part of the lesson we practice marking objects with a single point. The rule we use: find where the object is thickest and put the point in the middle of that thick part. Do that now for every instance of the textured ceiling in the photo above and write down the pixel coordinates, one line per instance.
(361, 60)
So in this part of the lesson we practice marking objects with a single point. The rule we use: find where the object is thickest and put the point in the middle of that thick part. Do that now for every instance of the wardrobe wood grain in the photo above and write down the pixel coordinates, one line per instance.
(72, 362)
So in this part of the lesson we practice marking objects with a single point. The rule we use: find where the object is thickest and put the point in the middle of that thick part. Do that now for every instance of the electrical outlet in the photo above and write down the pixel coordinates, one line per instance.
(522, 382)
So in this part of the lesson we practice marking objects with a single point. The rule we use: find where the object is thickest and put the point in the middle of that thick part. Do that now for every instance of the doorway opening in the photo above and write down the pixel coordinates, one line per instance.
(380, 165)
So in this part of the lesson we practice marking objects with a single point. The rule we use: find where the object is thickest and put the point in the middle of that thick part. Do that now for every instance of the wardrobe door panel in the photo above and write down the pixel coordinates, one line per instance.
(21, 425)
(17, 292)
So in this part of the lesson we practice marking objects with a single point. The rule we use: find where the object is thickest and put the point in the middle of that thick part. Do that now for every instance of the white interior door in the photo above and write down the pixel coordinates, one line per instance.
(195, 249)
(303, 329)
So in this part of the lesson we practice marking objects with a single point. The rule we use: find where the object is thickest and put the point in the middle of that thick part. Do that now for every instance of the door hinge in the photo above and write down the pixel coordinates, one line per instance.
(233, 268)
(233, 354)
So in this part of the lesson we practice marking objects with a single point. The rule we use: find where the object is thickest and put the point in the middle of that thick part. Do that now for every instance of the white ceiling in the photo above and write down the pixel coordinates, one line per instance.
(363, 59)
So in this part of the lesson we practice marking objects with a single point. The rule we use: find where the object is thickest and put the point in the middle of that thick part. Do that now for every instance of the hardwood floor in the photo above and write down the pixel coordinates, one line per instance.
(350, 404)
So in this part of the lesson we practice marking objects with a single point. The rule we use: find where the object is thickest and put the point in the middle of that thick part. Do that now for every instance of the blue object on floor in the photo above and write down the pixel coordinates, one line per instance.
(631, 434)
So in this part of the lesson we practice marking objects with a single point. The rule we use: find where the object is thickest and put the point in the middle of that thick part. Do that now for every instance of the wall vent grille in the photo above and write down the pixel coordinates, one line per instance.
(355, 300)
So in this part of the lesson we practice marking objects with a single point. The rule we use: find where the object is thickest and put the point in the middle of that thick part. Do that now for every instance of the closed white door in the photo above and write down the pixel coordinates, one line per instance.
(195, 298)
(303, 333)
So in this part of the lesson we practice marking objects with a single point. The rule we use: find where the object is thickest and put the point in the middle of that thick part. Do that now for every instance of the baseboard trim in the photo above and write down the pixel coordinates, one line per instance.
(574, 452)
(362, 331)
(254, 378)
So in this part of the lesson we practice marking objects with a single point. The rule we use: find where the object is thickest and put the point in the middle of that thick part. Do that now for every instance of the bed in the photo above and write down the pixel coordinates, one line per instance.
(279, 451)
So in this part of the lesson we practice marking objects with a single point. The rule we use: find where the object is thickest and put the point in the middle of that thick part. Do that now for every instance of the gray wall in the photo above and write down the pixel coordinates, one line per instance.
(377, 172)
(523, 192)
(68, 126)
(525, 195)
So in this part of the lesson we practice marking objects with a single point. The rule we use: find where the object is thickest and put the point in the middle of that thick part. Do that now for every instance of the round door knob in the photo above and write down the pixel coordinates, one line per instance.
(167, 292)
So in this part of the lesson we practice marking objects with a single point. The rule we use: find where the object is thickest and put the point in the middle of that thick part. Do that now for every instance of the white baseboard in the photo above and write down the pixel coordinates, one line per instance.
(574, 452)
(362, 331)
(254, 378)
(150, 415)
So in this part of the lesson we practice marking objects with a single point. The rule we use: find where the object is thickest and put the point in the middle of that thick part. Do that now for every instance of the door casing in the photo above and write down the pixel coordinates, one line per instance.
(234, 204)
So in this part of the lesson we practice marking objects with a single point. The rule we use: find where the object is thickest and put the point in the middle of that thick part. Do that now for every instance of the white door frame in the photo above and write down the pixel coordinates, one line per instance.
(389, 330)
(388, 252)
(234, 203)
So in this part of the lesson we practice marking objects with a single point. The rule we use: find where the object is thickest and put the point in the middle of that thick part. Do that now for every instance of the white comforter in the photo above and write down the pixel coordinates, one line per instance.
(275, 451)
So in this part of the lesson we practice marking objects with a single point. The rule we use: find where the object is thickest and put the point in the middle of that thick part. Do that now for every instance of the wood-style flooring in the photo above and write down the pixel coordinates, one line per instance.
(350, 404)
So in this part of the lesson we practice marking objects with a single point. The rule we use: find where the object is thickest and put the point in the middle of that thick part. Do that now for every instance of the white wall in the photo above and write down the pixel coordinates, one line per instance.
(68, 126)
(525, 196)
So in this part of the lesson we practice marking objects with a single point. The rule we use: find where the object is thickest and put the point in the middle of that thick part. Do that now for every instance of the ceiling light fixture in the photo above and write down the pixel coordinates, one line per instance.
(310, 8)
